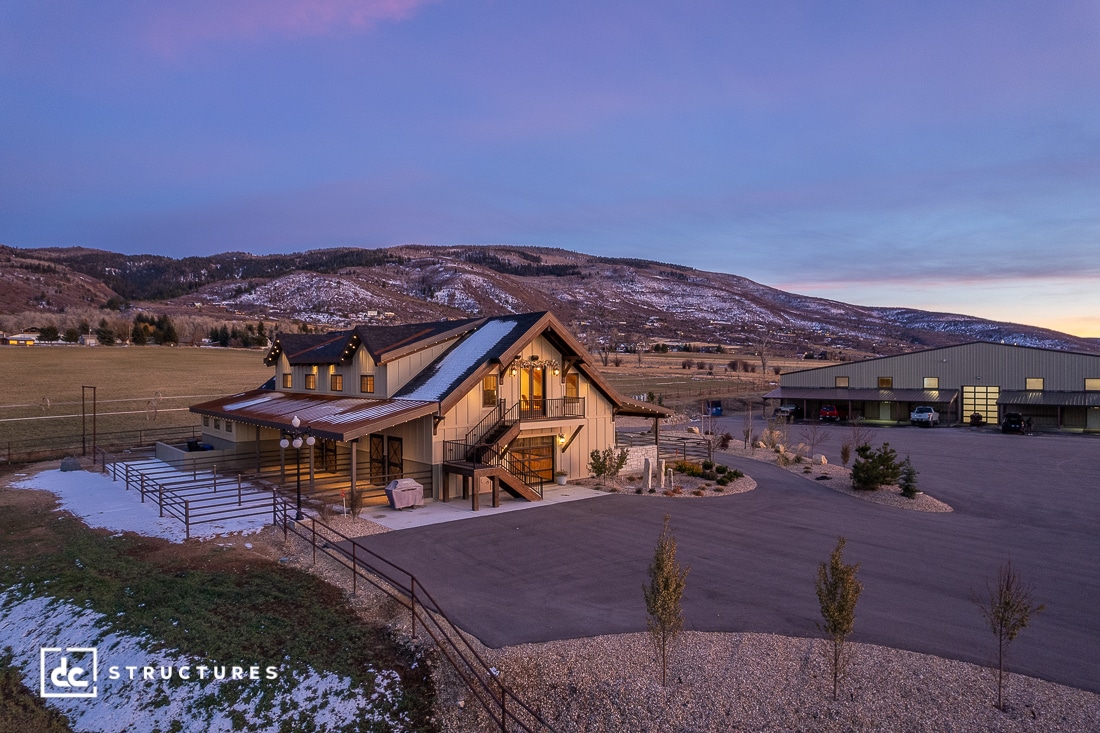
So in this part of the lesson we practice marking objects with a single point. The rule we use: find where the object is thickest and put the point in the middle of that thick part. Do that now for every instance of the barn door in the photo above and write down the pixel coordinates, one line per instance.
(396, 460)
(377, 456)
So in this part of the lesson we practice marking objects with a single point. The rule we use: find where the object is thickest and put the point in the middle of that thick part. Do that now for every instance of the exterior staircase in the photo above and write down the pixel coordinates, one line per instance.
(484, 454)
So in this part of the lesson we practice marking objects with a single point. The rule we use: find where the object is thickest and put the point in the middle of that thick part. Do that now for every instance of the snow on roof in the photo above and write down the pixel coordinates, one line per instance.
(457, 363)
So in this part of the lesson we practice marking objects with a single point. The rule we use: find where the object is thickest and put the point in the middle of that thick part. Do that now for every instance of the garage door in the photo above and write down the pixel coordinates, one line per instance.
(982, 400)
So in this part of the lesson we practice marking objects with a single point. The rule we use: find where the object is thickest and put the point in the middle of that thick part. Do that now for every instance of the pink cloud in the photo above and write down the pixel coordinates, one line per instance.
(177, 27)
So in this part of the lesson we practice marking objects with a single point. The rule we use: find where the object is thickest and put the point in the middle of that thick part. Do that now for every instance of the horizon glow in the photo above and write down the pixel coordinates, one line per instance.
(939, 156)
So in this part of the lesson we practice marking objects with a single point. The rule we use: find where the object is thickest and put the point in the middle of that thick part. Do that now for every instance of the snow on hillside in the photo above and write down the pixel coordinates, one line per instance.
(104, 503)
(299, 698)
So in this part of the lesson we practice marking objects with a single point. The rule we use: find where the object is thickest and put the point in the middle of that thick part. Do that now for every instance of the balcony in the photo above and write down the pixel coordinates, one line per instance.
(550, 408)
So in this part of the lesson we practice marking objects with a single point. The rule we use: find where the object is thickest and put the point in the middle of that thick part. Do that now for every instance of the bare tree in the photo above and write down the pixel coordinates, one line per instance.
(746, 425)
(663, 593)
(858, 434)
(838, 592)
(1007, 607)
(814, 435)
(763, 338)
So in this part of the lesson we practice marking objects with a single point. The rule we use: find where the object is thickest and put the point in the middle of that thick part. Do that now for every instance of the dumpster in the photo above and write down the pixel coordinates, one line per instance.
(405, 492)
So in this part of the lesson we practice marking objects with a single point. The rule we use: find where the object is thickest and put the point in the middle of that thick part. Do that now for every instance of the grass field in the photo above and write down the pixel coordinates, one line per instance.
(142, 387)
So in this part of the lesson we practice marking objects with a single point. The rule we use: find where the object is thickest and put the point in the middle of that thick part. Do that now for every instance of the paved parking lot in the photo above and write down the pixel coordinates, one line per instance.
(577, 569)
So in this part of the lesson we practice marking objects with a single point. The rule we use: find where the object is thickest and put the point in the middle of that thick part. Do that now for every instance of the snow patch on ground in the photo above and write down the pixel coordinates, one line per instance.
(299, 699)
(101, 502)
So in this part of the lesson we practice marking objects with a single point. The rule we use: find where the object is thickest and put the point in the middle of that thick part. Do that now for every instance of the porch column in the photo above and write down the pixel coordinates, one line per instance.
(257, 449)
(311, 469)
(282, 464)
(354, 449)
(657, 433)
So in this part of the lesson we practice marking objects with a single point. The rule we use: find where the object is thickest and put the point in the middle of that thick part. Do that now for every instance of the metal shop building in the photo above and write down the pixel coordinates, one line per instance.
(1058, 390)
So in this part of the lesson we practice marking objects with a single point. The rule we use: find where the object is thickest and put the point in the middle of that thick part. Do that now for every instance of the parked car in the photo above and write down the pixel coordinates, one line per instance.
(828, 413)
(790, 412)
(924, 416)
(1013, 422)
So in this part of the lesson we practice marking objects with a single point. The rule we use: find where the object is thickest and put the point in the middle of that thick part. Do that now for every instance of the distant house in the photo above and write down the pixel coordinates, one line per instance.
(462, 406)
(87, 339)
(22, 339)
(1058, 390)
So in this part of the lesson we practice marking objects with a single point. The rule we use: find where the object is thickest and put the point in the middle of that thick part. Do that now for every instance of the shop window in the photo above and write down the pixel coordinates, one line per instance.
(1092, 384)
(366, 383)
(931, 382)
(336, 382)
(311, 381)
(885, 382)
(228, 427)
(1034, 384)
(489, 391)
(288, 380)
(840, 382)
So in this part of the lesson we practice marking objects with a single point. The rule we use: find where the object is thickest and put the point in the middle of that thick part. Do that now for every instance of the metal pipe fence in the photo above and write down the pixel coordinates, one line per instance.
(208, 496)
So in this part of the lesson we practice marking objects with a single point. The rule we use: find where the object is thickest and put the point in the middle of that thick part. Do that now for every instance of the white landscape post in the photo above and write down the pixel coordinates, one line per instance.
(661, 473)
(647, 474)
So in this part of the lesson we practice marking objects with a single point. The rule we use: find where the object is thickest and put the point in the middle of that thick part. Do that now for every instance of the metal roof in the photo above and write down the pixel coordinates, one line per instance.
(1052, 398)
(833, 394)
(335, 418)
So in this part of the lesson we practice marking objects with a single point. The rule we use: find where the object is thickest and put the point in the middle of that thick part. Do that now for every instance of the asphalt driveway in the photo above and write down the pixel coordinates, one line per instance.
(577, 569)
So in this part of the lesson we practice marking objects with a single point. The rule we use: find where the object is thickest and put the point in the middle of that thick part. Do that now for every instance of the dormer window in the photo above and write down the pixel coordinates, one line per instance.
(366, 383)
(288, 381)
(336, 382)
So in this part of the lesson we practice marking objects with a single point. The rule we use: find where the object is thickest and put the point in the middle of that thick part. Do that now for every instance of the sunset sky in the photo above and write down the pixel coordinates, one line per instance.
(936, 155)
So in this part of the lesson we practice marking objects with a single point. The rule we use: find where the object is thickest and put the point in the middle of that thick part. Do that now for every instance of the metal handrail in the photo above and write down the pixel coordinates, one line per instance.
(480, 678)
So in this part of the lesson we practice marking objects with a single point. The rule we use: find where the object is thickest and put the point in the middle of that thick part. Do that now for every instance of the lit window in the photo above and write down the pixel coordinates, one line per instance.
(489, 391)
(885, 382)
(288, 380)
(1033, 384)
(1092, 384)
(336, 382)
(366, 383)
(931, 382)
(311, 381)
(840, 382)
(572, 385)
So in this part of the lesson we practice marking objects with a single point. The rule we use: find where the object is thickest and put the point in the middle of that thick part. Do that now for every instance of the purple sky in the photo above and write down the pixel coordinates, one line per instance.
(943, 156)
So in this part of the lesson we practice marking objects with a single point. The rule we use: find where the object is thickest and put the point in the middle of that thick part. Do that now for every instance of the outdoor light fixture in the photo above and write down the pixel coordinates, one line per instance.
(534, 362)
(296, 437)
(561, 438)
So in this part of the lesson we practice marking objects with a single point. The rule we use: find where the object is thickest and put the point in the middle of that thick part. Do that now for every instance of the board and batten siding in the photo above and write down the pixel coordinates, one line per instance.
(1002, 365)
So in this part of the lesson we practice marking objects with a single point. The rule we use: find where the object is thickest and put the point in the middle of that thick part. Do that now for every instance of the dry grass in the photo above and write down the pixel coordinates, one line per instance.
(152, 385)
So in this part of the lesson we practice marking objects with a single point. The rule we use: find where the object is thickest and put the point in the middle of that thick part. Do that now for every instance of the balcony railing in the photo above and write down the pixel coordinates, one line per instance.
(553, 408)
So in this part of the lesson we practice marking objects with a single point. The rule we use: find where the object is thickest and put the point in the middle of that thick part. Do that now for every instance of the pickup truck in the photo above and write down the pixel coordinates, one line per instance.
(924, 416)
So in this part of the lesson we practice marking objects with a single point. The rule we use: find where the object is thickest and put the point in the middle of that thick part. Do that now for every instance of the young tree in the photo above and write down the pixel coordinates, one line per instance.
(907, 482)
(1007, 608)
(838, 592)
(814, 435)
(664, 614)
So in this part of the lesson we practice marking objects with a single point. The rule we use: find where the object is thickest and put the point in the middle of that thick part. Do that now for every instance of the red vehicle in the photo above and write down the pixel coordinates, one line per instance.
(829, 413)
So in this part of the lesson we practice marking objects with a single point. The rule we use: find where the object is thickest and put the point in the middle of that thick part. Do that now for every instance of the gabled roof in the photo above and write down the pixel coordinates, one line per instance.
(493, 346)
(383, 343)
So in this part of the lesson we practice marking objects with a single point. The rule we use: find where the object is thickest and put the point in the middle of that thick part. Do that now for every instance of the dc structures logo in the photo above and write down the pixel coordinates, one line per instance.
(69, 672)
